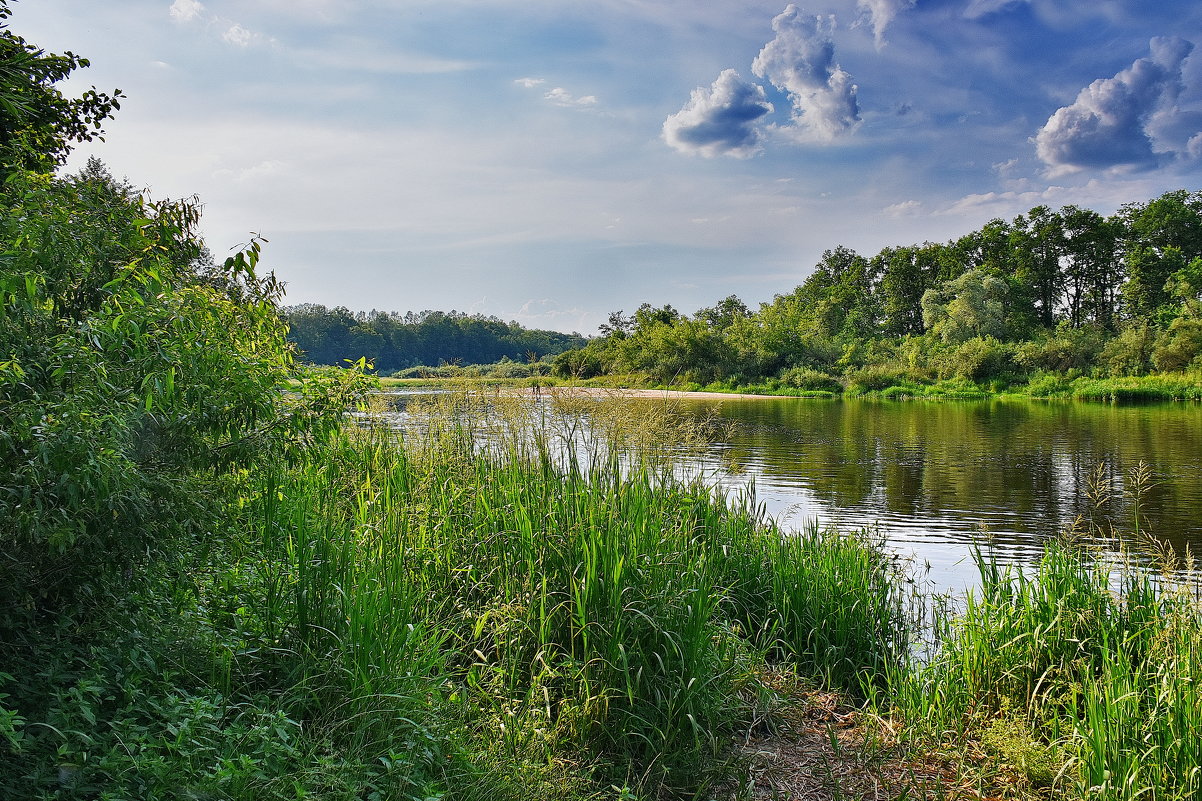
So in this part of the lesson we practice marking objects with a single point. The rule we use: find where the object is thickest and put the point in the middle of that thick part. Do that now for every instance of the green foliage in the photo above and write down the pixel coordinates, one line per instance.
(1130, 353)
(972, 305)
(38, 124)
(126, 374)
(1064, 350)
(580, 364)
(980, 359)
(808, 378)
(392, 342)
(1181, 346)
(880, 377)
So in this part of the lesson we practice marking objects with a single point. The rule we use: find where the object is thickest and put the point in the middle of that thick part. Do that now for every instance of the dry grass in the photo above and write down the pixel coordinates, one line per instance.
(811, 745)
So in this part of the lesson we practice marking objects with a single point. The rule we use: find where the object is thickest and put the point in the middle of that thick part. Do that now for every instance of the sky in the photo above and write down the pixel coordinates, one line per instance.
(551, 161)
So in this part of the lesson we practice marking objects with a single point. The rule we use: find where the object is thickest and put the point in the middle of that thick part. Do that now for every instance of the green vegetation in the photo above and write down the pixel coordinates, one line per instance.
(1048, 298)
(419, 344)
(215, 584)
(1077, 690)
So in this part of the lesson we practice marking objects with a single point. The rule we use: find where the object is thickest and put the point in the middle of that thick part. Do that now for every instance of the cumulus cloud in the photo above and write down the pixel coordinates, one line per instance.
(881, 14)
(186, 10)
(720, 120)
(530, 83)
(1121, 121)
(801, 62)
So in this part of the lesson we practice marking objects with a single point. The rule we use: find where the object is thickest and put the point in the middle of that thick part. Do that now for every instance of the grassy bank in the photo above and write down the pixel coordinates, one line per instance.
(888, 386)
(431, 619)
(474, 610)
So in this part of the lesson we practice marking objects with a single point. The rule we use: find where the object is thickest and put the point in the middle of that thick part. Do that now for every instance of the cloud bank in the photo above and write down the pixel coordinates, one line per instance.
(720, 120)
(801, 62)
(1128, 121)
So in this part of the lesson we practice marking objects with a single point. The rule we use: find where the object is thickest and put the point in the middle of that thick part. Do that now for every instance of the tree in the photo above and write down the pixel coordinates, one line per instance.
(724, 314)
(1160, 238)
(1088, 267)
(972, 305)
(906, 274)
(617, 325)
(1037, 241)
(38, 124)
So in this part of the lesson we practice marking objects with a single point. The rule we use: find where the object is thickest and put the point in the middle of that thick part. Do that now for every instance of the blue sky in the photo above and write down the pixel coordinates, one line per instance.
(550, 161)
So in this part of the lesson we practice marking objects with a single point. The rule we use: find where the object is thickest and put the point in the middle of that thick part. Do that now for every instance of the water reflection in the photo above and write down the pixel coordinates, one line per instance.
(937, 477)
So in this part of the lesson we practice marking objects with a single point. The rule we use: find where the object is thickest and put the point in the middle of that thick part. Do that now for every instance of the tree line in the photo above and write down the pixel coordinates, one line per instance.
(392, 341)
(1066, 291)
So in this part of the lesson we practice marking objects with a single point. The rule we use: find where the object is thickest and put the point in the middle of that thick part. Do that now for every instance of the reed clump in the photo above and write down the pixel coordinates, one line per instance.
(538, 571)
(1079, 677)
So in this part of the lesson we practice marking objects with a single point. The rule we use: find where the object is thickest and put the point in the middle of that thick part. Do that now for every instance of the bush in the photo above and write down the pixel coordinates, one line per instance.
(875, 378)
(1130, 353)
(1047, 385)
(981, 359)
(1180, 347)
(580, 364)
(1063, 350)
(807, 378)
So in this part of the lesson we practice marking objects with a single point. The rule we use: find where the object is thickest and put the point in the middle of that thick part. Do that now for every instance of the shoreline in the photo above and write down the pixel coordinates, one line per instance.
(627, 392)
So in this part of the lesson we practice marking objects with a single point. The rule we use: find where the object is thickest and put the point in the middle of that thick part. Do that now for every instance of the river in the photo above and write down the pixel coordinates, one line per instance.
(938, 477)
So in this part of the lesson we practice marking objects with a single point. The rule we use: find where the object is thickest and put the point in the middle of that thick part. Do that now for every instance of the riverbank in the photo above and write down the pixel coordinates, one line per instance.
(415, 619)
(1135, 389)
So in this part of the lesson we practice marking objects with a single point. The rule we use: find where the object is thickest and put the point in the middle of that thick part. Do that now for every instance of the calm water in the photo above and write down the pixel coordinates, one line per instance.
(937, 477)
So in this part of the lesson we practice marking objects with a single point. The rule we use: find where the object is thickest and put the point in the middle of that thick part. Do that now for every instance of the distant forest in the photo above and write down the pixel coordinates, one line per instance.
(1065, 293)
(393, 341)
(1049, 293)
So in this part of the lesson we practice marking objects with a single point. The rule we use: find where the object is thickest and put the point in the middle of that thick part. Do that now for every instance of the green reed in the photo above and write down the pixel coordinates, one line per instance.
(1092, 668)
(540, 569)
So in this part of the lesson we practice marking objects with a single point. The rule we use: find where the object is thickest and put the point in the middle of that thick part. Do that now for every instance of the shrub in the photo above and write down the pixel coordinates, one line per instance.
(980, 359)
(875, 378)
(1130, 353)
(1180, 347)
(810, 379)
(1065, 349)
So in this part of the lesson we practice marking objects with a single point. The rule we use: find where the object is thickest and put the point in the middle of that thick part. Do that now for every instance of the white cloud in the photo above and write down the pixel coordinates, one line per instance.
(979, 8)
(186, 10)
(562, 97)
(262, 170)
(1118, 122)
(721, 120)
(238, 36)
(908, 208)
(1194, 146)
(530, 83)
(882, 13)
(801, 61)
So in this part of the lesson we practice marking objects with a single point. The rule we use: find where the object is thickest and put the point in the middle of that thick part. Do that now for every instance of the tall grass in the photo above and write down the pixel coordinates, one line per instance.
(1082, 673)
(550, 575)
(506, 598)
